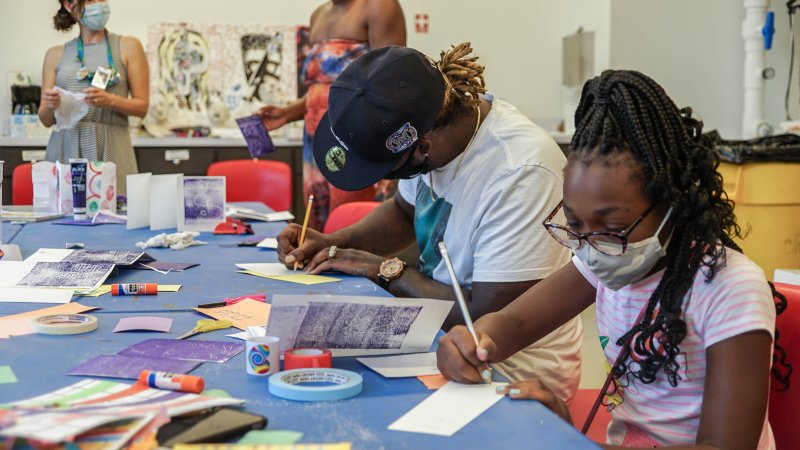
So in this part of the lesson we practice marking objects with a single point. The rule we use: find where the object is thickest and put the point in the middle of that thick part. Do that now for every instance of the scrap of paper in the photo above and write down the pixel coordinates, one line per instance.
(268, 243)
(129, 367)
(7, 375)
(184, 349)
(270, 437)
(449, 409)
(118, 257)
(433, 382)
(106, 289)
(243, 314)
(163, 266)
(35, 295)
(144, 323)
(299, 278)
(257, 331)
(411, 365)
(337, 446)
(20, 324)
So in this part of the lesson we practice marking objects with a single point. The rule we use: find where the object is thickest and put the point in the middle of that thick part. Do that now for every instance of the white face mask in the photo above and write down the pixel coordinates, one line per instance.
(638, 260)
(95, 16)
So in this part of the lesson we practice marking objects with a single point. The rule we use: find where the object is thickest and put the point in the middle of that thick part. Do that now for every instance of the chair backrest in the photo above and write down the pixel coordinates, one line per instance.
(248, 180)
(348, 214)
(22, 185)
(579, 410)
(784, 406)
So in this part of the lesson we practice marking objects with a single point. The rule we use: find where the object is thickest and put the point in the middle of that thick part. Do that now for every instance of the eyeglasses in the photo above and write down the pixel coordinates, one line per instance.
(612, 243)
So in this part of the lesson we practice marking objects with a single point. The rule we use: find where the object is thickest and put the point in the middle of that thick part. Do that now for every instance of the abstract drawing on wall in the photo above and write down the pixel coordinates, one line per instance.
(244, 66)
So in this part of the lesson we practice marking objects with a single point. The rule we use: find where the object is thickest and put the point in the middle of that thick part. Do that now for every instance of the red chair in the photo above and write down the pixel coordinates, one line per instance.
(784, 406)
(249, 180)
(348, 214)
(22, 185)
(579, 410)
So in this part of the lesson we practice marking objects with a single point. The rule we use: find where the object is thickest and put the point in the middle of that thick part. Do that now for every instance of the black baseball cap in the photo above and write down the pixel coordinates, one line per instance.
(378, 109)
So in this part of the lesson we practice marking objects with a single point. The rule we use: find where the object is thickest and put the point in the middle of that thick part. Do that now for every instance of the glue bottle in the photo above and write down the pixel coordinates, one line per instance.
(172, 381)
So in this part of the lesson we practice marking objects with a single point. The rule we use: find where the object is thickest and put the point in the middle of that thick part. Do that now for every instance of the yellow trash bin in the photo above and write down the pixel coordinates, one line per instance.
(767, 197)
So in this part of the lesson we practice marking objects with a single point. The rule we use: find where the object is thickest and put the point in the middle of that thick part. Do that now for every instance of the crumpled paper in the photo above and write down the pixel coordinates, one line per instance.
(71, 110)
(175, 241)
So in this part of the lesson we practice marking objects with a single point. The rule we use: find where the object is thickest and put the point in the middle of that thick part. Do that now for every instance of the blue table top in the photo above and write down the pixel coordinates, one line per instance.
(40, 361)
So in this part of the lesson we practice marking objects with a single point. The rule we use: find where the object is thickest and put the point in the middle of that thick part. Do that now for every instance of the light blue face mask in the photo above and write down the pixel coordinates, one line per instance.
(95, 16)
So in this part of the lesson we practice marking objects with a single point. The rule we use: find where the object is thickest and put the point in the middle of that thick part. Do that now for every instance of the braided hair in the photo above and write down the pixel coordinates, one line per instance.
(627, 112)
(464, 82)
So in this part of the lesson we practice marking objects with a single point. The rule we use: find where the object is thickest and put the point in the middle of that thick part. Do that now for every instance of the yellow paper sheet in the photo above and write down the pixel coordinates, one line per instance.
(20, 324)
(337, 446)
(300, 278)
(106, 288)
(243, 314)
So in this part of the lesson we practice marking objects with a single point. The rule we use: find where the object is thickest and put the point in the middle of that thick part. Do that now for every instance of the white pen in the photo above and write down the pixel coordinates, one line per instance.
(461, 302)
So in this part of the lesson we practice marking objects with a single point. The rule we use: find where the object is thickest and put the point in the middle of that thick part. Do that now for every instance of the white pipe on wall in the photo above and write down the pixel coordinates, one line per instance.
(754, 62)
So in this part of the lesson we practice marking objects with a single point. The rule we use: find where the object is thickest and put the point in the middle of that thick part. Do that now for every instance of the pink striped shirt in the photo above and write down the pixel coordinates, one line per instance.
(736, 301)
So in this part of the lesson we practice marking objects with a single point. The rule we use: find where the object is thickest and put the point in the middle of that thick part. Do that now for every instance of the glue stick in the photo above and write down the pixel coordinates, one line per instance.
(134, 289)
(172, 381)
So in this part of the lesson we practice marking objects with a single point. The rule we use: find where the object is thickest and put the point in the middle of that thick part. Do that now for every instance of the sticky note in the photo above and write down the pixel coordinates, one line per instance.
(7, 375)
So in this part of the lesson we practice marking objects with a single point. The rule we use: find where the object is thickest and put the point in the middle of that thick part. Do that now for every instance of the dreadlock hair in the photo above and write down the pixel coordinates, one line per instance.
(628, 112)
(464, 83)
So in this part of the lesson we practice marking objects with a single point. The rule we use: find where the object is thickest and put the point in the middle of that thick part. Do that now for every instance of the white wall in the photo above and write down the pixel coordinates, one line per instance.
(694, 49)
(518, 40)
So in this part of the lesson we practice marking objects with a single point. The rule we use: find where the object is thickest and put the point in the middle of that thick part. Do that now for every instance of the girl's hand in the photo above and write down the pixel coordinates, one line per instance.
(98, 97)
(458, 358)
(536, 390)
(51, 99)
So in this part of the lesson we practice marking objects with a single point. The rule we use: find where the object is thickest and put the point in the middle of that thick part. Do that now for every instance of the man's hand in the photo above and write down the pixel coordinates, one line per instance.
(349, 261)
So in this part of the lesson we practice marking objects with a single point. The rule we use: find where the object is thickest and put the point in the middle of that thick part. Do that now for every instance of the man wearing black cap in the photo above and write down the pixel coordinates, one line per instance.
(475, 173)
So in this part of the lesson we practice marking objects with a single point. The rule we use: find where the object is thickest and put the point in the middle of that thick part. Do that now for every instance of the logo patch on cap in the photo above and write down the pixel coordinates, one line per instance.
(335, 159)
(402, 138)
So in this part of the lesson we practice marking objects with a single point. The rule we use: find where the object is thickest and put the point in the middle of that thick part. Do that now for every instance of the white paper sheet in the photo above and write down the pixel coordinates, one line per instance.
(269, 269)
(11, 252)
(35, 295)
(412, 365)
(269, 243)
(357, 326)
(164, 201)
(49, 255)
(260, 331)
(449, 409)
(138, 201)
(118, 257)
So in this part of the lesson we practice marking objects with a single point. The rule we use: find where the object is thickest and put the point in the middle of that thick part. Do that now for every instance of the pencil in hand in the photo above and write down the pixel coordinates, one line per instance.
(305, 226)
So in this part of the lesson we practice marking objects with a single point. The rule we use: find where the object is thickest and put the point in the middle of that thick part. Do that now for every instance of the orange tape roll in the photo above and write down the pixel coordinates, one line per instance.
(305, 358)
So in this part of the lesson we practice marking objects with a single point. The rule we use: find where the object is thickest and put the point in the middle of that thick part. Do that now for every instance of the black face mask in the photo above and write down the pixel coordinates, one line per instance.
(408, 170)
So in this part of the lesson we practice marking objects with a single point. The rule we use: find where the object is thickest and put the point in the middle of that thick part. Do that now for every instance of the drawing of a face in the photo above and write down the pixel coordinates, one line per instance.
(261, 57)
(183, 56)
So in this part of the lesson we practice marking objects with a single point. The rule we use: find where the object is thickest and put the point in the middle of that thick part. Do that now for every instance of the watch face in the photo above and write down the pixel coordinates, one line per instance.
(392, 267)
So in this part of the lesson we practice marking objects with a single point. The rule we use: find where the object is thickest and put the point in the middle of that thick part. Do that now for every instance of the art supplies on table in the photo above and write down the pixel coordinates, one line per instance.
(356, 326)
(206, 325)
(328, 384)
(449, 409)
(129, 367)
(20, 324)
(62, 415)
(233, 301)
(256, 135)
(201, 203)
(134, 289)
(62, 275)
(411, 365)
(262, 355)
(106, 289)
(306, 358)
(197, 350)
(78, 169)
(143, 323)
(172, 381)
(64, 324)
(214, 426)
(241, 314)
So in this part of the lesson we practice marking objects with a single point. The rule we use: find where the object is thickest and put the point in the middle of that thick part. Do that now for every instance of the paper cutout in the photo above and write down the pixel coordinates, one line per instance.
(129, 367)
(243, 314)
(184, 349)
(201, 203)
(268, 243)
(411, 365)
(144, 323)
(7, 375)
(433, 382)
(270, 437)
(255, 135)
(449, 409)
(337, 446)
(219, 393)
(20, 324)
(356, 326)
(164, 266)
(35, 295)
(259, 331)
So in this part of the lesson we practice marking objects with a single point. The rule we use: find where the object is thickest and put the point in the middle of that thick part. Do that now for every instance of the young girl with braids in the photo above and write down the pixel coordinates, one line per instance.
(688, 319)
(488, 177)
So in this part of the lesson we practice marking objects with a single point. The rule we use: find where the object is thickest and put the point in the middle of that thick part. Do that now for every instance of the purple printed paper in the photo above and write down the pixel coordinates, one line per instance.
(256, 135)
(79, 223)
(144, 323)
(116, 366)
(203, 203)
(216, 351)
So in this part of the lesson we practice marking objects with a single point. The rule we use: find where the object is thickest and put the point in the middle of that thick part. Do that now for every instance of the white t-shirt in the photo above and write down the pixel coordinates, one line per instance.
(490, 216)
(736, 301)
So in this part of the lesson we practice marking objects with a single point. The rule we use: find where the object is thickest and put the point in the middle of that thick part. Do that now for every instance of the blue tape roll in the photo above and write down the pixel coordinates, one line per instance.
(287, 384)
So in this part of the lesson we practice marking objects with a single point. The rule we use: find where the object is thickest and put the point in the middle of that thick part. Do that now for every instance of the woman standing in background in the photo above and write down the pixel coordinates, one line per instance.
(341, 31)
(102, 135)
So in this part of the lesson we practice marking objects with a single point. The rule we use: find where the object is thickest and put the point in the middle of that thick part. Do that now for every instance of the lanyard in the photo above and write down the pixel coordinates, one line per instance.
(83, 72)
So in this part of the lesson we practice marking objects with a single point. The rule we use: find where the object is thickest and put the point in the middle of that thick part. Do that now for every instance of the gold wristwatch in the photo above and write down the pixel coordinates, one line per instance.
(390, 269)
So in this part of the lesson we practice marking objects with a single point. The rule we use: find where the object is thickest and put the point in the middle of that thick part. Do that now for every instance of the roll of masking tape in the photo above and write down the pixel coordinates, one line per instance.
(64, 324)
(341, 384)
(305, 358)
